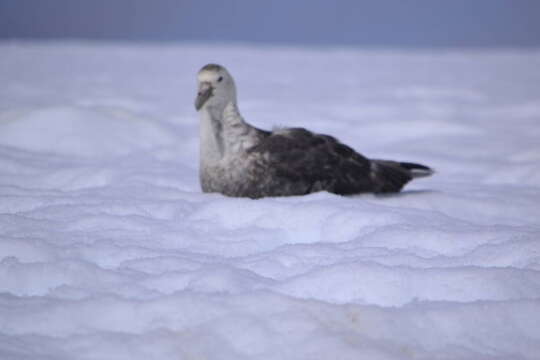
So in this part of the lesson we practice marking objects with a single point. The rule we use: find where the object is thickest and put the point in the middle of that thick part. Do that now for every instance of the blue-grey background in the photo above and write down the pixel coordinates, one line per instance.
(402, 23)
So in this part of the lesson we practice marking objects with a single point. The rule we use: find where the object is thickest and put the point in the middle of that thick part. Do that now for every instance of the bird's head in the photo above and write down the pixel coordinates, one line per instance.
(215, 87)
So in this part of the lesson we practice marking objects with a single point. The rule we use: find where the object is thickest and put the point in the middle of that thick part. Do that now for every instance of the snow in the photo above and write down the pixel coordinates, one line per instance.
(108, 249)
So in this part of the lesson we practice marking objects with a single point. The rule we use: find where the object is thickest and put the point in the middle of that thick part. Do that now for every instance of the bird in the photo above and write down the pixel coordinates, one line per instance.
(241, 160)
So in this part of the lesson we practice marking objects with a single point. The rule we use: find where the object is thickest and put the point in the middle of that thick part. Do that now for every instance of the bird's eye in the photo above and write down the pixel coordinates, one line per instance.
(220, 78)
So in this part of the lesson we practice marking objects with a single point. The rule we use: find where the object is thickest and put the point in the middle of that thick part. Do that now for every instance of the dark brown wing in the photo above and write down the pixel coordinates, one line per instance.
(311, 162)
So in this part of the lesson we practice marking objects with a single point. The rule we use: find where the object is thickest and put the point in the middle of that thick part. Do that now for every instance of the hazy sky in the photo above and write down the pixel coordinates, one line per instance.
(402, 23)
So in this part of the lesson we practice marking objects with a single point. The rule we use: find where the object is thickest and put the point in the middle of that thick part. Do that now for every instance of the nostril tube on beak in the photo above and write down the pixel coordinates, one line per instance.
(202, 96)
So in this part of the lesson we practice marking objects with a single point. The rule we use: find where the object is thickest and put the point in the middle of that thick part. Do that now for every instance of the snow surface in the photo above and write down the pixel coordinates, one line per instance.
(110, 251)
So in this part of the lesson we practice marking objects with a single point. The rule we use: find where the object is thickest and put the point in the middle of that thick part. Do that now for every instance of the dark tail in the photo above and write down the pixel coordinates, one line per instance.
(391, 176)
(416, 170)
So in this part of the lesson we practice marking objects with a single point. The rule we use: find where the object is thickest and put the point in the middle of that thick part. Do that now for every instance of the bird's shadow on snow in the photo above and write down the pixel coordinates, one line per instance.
(406, 193)
(401, 194)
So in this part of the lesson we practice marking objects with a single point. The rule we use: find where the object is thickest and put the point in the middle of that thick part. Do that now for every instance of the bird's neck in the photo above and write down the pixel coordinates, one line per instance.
(222, 132)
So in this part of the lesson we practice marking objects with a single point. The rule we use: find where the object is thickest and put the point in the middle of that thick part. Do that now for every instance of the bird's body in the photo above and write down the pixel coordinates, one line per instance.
(237, 159)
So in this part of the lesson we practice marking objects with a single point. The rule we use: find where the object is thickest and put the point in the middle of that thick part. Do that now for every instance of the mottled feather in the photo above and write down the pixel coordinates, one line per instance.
(316, 162)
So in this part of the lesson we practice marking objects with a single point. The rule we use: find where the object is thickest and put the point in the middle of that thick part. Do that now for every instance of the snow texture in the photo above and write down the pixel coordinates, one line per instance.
(109, 250)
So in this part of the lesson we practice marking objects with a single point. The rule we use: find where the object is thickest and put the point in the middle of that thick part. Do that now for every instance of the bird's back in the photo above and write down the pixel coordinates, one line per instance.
(295, 161)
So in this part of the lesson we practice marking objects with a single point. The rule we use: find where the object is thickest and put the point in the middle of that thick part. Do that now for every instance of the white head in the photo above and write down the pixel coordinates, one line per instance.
(216, 88)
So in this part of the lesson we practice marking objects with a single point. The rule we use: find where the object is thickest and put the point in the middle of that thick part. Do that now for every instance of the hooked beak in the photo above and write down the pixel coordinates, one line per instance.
(205, 92)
